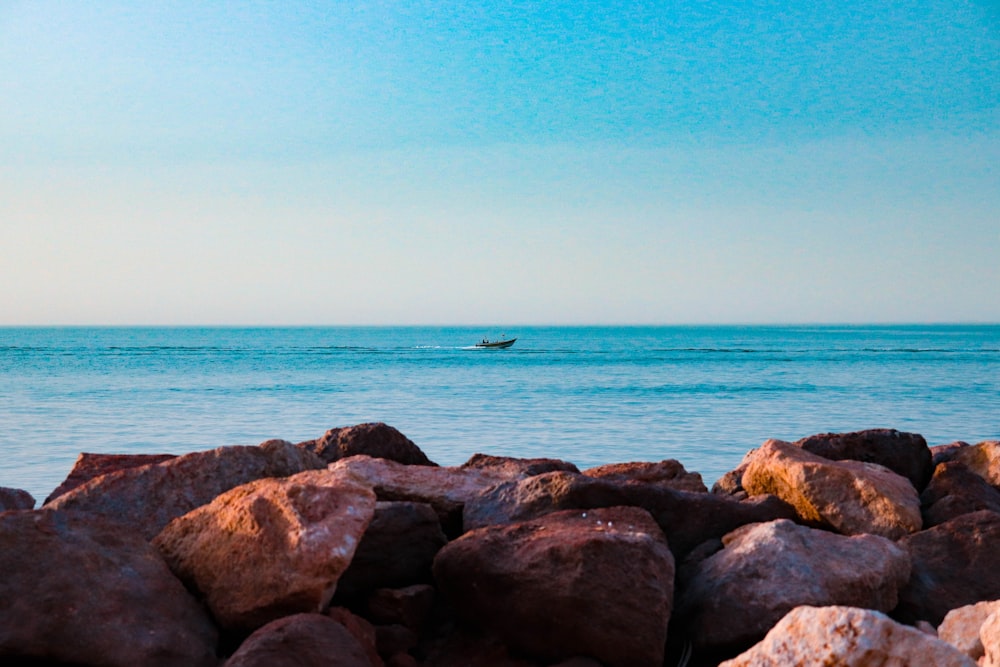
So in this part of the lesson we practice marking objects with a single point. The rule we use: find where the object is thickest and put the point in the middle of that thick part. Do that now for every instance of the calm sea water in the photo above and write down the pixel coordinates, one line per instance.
(590, 395)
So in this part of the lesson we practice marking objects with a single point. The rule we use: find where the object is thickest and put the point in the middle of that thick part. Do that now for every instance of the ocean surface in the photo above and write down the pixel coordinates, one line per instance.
(590, 395)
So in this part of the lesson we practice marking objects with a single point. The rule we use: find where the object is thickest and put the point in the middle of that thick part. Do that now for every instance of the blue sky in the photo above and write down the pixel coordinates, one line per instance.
(499, 162)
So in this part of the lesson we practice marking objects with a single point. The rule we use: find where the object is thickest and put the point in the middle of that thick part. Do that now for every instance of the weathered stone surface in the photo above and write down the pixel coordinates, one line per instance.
(373, 439)
(954, 565)
(466, 647)
(955, 490)
(410, 606)
(731, 483)
(147, 497)
(961, 626)
(849, 496)
(396, 550)
(15, 499)
(301, 640)
(943, 453)
(75, 589)
(360, 628)
(905, 454)
(270, 548)
(847, 637)
(445, 489)
(88, 466)
(768, 569)
(989, 635)
(516, 467)
(982, 459)
(595, 583)
(687, 519)
(669, 473)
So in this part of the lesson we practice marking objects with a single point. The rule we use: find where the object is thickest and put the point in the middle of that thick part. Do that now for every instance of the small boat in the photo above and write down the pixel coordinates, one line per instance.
(501, 344)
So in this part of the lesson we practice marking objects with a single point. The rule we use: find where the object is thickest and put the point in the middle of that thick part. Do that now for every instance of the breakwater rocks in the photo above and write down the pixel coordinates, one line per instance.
(354, 549)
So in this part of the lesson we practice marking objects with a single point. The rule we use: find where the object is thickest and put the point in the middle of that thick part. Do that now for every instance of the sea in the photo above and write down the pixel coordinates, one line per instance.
(591, 395)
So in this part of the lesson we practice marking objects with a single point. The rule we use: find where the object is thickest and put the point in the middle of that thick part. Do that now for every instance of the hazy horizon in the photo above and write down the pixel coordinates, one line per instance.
(425, 163)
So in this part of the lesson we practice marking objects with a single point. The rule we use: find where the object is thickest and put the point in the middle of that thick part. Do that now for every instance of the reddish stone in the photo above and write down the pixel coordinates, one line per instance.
(955, 490)
(982, 459)
(467, 647)
(395, 639)
(410, 606)
(15, 499)
(79, 590)
(375, 439)
(905, 454)
(595, 583)
(669, 473)
(362, 630)
(88, 466)
(515, 467)
(943, 453)
(302, 640)
(954, 565)
(148, 497)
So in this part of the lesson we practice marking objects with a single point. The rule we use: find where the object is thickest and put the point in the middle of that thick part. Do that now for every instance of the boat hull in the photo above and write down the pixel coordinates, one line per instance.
(496, 345)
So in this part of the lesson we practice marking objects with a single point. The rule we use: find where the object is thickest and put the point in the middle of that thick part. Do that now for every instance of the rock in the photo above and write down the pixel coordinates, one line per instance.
(79, 590)
(302, 640)
(360, 628)
(961, 626)
(982, 459)
(395, 639)
(669, 473)
(375, 439)
(15, 499)
(88, 466)
(850, 497)
(410, 606)
(767, 569)
(445, 489)
(731, 483)
(943, 453)
(847, 637)
(687, 519)
(515, 467)
(905, 454)
(955, 490)
(396, 550)
(597, 583)
(270, 548)
(468, 648)
(146, 498)
(954, 565)
(989, 634)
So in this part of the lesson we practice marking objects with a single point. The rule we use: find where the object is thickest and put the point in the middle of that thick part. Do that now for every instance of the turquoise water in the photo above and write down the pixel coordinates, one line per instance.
(590, 395)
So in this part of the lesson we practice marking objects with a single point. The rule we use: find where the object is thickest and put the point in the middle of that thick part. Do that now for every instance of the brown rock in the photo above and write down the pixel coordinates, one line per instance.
(731, 483)
(955, 490)
(76, 589)
(302, 640)
(954, 565)
(88, 466)
(360, 628)
(374, 439)
(396, 550)
(395, 639)
(847, 637)
(848, 496)
(768, 569)
(687, 519)
(410, 606)
(943, 453)
(597, 583)
(147, 497)
(982, 459)
(470, 648)
(961, 626)
(515, 467)
(270, 548)
(905, 454)
(669, 473)
(15, 499)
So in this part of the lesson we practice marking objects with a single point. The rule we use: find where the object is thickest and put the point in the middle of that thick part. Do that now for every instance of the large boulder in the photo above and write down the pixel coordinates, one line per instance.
(15, 499)
(905, 454)
(850, 497)
(371, 439)
(514, 467)
(79, 590)
(982, 459)
(301, 640)
(847, 637)
(768, 569)
(961, 627)
(687, 518)
(955, 490)
(954, 565)
(669, 473)
(88, 466)
(146, 498)
(270, 548)
(597, 583)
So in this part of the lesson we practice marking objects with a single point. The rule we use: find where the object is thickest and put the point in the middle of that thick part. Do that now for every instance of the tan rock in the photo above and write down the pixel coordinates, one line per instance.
(850, 497)
(989, 636)
(271, 547)
(847, 637)
(960, 627)
(982, 459)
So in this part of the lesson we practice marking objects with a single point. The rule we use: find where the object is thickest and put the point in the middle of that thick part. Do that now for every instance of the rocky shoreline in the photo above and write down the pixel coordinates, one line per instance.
(354, 549)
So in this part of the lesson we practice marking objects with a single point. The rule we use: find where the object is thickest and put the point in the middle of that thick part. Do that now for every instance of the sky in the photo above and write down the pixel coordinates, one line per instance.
(476, 162)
